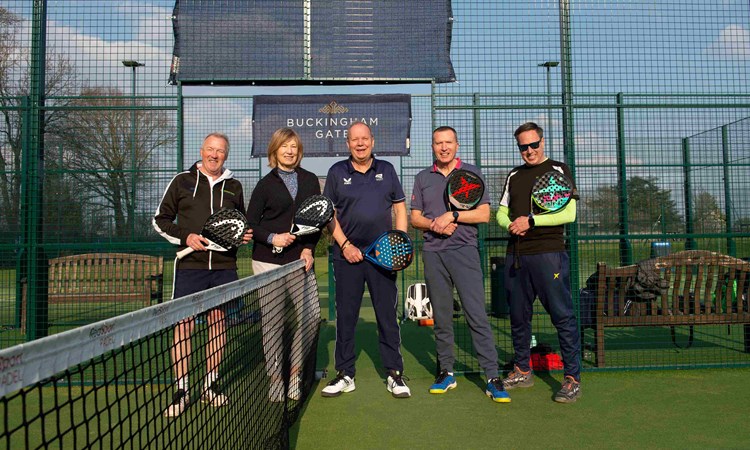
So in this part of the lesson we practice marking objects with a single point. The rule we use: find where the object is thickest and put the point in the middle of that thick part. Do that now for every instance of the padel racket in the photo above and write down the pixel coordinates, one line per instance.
(311, 216)
(464, 190)
(392, 250)
(223, 230)
(551, 193)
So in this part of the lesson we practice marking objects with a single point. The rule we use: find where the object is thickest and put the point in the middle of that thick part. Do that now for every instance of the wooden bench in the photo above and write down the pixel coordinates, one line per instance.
(705, 288)
(106, 277)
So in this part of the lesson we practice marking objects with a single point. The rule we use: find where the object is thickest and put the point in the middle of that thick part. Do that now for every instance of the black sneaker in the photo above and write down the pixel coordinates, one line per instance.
(396, 385)
(569, 392)
(180, 400)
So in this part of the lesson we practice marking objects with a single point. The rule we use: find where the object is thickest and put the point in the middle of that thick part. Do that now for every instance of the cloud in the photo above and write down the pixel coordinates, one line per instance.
(98, 57)
(733, 42)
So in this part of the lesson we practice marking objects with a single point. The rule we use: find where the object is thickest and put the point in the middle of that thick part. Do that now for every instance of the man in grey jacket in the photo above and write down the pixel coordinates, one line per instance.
(451, 259)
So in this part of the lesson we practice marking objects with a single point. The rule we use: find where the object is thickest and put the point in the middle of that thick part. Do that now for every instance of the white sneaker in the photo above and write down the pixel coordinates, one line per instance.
(180, 400)
(295, 387)
(276, 391)
(342, 383)
(397, 386)
(214, 397)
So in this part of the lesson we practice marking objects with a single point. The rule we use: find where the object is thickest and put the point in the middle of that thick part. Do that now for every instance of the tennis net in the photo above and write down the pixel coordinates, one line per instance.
(109, 384)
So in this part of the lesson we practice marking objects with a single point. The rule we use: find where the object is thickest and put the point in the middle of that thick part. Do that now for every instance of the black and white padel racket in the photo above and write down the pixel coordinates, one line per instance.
(223, 230)
(392, 250)
(464, 190)
(551, 193)
(311, 216)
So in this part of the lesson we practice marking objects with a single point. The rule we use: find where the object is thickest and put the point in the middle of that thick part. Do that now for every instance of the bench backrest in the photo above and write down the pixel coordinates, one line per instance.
(105, 277)
(700, 282)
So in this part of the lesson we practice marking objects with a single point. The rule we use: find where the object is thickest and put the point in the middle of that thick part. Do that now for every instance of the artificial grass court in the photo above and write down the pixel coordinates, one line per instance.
(619, 409)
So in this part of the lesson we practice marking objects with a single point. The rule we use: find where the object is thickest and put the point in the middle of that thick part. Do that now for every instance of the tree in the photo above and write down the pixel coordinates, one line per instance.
(708, 216)
(98, 151)
(60, 78)
(650, 208)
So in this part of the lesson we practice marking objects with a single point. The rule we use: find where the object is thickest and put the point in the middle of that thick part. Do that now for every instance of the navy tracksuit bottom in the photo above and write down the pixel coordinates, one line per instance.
(350, 286)
(546, 276)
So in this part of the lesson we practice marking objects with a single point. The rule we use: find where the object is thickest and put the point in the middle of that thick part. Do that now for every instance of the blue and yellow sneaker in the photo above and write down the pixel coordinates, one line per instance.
(496, 391)
(444, 381)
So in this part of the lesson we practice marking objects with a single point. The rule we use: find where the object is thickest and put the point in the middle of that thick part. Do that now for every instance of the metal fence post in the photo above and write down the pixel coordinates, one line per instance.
(626, 250)
(690, 243)
(731, 245)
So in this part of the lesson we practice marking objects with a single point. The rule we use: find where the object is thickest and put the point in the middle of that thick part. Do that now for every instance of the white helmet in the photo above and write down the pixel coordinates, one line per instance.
(418, 304)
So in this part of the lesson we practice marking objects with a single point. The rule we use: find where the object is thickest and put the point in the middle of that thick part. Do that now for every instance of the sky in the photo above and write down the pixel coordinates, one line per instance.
(646, 47)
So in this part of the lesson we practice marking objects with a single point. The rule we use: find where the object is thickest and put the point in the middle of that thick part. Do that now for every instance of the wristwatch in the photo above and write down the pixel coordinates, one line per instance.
(455, 216)
(532, 224)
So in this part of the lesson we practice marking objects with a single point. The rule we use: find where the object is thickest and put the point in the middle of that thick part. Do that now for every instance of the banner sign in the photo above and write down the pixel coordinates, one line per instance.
(293, 42)
(322, 121)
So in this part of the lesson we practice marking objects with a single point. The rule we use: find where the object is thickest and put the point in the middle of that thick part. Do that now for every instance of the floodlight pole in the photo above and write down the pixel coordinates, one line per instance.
(131, 207)
(549, 65)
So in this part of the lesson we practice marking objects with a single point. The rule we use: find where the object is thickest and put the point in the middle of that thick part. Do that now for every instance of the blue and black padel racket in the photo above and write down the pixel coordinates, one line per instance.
(392, 250)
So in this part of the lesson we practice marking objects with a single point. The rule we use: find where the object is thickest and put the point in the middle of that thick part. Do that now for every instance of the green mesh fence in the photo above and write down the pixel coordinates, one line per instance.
(646, 101)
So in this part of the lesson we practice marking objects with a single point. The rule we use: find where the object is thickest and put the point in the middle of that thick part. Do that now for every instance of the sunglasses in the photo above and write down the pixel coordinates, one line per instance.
(534, 145)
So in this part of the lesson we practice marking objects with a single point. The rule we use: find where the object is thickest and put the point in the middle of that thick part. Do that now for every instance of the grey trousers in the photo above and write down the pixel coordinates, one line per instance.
(461, 268)
(306, 312)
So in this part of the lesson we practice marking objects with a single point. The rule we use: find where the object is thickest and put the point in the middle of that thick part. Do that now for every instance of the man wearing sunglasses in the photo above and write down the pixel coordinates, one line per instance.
(537, 265)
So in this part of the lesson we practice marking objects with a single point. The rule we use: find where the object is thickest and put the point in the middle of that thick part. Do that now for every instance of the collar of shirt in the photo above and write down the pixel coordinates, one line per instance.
(350, 165)
(458, 165)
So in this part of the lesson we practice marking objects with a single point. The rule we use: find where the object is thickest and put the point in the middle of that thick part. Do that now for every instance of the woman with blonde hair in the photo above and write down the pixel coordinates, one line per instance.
(273, 203)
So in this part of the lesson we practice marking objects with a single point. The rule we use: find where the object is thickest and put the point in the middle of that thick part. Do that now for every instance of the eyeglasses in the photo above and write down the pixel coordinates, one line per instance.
(535, 145)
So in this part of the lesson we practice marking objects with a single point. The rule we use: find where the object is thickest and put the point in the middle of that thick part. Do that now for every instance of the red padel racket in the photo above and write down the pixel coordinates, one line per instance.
(464, 190)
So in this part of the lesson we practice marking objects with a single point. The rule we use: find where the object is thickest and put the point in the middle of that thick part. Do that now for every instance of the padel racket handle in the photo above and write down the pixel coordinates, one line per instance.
(184, 252)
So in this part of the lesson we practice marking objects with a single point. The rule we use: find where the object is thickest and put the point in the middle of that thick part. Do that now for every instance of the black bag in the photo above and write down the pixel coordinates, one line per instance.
(648, 283)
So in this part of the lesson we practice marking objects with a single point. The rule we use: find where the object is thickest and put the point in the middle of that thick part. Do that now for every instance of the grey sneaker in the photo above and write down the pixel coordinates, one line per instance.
(214, 397)
(569, 392)
(396, 385)
(276, 391)
(518, 378)
(342, 383)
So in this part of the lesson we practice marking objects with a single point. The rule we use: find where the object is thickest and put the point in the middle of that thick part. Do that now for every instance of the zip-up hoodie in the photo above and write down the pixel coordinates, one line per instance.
(191, 197)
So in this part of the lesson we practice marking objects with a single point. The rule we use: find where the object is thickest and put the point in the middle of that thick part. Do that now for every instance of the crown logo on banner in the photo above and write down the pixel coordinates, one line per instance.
(333, 108)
